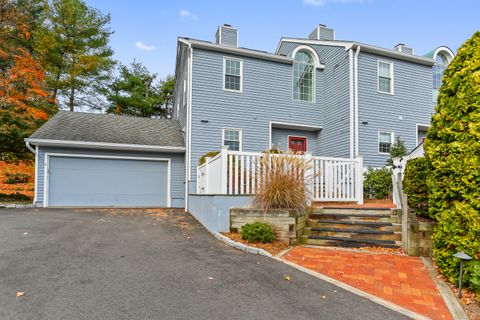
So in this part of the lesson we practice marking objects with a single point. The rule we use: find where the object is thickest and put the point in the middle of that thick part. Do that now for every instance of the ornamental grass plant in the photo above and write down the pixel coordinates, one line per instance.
(282, 181)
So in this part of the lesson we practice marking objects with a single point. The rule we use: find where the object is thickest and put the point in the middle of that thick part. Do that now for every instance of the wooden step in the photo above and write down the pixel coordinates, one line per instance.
(352, 211)
(366, 234)
(351, 217)
(347, 242)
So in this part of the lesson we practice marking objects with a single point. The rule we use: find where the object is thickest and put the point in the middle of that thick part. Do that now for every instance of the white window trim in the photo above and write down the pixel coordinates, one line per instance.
(314, 73)
(392, 140)
(46, 170)
(391, 74)
(240, 139)
(420, 125)
(225, 58)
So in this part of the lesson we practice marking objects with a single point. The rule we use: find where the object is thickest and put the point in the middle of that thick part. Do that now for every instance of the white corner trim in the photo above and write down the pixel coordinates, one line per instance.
(102, 145)
(356, 122)
(350, 87)
(35, 185)
(189, 126)
(46, 169)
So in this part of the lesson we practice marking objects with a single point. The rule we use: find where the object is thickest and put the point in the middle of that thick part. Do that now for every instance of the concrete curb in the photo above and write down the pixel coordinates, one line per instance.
(240, 246)
(17, 205)
(450, 300)
(385, 303)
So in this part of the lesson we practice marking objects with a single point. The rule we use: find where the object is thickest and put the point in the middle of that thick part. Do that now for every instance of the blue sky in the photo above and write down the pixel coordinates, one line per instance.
(147, 30)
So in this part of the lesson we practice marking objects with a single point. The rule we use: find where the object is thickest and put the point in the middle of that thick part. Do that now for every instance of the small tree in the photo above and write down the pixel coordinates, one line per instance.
(453, 148)
(398, 149)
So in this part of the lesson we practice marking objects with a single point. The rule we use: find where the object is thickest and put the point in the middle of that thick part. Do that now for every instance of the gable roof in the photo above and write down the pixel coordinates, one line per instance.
(364, 47)
(93, 129)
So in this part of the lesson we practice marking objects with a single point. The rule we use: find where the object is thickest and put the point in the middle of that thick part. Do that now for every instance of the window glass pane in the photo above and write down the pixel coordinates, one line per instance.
(384, 69)
(303, 69)
(232, 74)
(231, 139)
(384, 84)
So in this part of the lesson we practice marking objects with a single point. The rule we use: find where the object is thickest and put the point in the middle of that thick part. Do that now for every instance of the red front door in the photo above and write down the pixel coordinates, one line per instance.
(297, 144)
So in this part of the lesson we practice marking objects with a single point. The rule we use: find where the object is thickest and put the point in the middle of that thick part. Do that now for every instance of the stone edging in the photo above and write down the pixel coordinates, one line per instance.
(17, 205)
(450, 300)
(240, 246)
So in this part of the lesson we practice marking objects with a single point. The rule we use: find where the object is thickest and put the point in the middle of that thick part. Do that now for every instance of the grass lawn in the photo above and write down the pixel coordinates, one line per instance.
(27, 189)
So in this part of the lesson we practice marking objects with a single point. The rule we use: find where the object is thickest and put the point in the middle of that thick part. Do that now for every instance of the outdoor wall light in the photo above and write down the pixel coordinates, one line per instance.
(463, 257)
(204, 121)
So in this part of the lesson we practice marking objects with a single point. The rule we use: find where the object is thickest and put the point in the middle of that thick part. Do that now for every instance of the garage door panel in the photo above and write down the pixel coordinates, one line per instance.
(107, 182)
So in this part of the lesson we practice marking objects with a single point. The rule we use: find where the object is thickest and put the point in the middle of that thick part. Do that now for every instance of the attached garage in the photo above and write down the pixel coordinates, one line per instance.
(86, 181)
(96, 160)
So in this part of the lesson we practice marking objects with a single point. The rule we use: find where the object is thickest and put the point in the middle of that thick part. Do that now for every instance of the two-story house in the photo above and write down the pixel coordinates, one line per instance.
(318, 94)
(344, 100)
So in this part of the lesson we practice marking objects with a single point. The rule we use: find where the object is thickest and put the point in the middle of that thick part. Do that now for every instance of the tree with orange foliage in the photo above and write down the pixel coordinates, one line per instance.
(24, 102)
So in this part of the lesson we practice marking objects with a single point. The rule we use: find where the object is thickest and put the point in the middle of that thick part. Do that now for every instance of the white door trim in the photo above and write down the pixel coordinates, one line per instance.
(93, 156)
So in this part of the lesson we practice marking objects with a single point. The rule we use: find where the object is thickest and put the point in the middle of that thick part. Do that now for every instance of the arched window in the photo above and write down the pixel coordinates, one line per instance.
(441, 64)
(303, 76)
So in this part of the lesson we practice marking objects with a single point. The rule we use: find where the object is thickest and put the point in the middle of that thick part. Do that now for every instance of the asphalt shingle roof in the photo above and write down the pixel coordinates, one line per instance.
(94, 127)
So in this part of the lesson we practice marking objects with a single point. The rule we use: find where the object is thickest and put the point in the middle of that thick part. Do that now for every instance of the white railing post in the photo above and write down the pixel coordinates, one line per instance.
(359, 188)
(224, 159)
(207, 180)
(199, 188)
(309, 174)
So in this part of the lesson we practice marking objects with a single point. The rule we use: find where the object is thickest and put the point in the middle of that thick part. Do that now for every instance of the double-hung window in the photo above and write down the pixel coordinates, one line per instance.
(232, 138)
(385, 77)
(232, 74)
(385, 141)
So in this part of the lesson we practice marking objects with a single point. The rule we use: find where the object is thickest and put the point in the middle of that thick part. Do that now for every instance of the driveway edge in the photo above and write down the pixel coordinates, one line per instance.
(240, 246)
(358, 292)
(449, 298)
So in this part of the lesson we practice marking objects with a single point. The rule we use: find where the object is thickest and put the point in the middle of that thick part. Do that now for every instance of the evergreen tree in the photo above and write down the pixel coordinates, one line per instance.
(398, 149)
(452, 147)
(75, 51)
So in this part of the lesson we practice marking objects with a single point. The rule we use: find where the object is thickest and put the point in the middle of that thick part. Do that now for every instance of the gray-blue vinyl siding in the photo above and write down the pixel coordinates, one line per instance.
(177, 179)
(181, 85)
(399, 113)
(266, 96)
(334, 96)
(280, 138)
(229, 36)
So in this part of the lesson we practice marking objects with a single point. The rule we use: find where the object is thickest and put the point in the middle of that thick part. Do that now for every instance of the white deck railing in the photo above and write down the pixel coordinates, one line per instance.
(236, 173)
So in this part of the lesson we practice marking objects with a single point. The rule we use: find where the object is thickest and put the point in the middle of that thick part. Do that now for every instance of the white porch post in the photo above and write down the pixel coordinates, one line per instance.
(309, 174)
(207, 180)
(224, 156)
(359, 187)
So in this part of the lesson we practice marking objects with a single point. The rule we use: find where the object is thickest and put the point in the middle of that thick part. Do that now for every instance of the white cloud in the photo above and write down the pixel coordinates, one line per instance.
(188, 14)
(142, 46)
(321, 3)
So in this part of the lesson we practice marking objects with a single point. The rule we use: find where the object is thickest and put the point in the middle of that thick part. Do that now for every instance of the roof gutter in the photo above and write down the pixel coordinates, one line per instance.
(394, 54)
(102, 145)
(29, 147)
(239, 51)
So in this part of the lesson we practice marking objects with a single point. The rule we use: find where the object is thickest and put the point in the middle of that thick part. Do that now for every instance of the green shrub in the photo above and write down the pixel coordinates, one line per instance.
(12, 178)
(377, 183)
(452, 147)
(257, 232)
(204, 157)
(472, 275)
(415, 185)
(281, 182)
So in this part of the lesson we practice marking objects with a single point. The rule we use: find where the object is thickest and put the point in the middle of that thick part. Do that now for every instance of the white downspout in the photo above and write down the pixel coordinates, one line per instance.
(356, 100)
(350, 59)
(34, 151)
(29, 147)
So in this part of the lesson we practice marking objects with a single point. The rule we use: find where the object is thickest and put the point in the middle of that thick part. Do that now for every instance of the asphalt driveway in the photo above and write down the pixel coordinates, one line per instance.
(149, 264)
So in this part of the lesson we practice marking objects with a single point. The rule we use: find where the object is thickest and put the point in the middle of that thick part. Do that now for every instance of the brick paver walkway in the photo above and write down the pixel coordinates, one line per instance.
(402, 280)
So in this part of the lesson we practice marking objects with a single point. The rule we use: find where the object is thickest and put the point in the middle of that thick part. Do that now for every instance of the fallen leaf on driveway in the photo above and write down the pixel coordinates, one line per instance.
(323, 297)
(20, 294)
(25, 233)
(286, 277)
(210, 278)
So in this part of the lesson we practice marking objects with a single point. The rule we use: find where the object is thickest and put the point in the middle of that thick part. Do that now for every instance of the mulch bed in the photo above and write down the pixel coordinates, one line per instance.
(273, 248)
(26, 189)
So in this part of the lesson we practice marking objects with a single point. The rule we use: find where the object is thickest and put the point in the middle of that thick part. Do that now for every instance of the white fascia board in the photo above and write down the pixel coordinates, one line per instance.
(395, 54)
(103, 145)
(238, 51)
